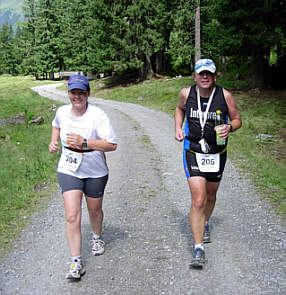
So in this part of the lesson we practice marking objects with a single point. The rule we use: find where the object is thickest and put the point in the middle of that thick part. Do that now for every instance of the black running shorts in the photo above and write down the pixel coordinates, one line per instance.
(192, 169)
(91, 187)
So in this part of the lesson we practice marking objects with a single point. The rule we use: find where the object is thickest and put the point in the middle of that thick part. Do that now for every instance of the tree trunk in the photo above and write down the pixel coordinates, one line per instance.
(149, 70)
(223, 64)
(279, 52)
(51, 76)
(146, 70)
(259, 65)
(197, 33)
(159, 66)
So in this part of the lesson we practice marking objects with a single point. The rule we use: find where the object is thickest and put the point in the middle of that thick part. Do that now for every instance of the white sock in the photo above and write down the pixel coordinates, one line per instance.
(76, 258)
(199, 246)
(94, 236)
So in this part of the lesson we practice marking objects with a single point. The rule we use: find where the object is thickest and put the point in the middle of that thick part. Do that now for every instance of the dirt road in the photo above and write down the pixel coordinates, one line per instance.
(146, 229)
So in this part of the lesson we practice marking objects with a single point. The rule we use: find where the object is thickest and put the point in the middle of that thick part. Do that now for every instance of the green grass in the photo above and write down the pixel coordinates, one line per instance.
(26, 164)
(263, 160)
(158, 94)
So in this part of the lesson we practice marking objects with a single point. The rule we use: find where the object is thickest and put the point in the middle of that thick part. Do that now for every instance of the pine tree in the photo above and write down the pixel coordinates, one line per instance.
(247, 29)
(75, 35)
(182, 37)
(47, 30)
(99, 47)
(6, 49)
(27, 38)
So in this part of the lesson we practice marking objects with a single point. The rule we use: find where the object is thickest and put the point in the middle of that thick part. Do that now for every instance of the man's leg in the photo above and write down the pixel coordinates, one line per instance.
(197, 186)
(197, 218)
(212, 188)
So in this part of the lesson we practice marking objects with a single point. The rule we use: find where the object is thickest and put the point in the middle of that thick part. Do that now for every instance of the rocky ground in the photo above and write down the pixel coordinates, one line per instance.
(146, 229)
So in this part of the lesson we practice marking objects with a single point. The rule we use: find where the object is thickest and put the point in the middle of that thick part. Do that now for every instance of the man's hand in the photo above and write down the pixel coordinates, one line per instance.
(179, 134)
(223, 131)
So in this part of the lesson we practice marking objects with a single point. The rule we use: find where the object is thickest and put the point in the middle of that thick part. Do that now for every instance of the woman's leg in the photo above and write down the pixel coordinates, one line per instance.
(72, 204)
(95, 211)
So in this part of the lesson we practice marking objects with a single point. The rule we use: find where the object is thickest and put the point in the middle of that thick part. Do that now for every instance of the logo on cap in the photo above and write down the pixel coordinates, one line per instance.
(205, 65)
(78, 81)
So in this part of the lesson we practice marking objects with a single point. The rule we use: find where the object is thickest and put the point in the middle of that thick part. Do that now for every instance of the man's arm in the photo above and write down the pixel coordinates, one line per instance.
(180, 114)
(234, 116)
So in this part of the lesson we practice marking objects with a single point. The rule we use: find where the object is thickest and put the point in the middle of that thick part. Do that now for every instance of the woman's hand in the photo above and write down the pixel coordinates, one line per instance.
(53, 147)
(74, 139)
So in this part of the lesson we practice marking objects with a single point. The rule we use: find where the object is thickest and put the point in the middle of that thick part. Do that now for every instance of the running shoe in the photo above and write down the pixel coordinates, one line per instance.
(97, 246)
(207, 234)
(198, 258)
(76, 270)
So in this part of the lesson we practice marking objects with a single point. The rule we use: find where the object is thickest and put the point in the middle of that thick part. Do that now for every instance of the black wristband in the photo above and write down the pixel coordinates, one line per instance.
(230, 127)
(84, 143)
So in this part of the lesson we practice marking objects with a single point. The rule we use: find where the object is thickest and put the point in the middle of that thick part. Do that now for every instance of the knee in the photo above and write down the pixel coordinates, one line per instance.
(199, 204)
(72, 218)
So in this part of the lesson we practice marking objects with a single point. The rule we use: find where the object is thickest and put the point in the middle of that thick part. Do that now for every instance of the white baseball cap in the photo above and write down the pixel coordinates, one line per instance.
(205, 65)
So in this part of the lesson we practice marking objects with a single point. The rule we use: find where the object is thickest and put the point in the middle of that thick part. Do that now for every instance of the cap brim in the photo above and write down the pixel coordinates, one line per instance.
(208, 69)
(77, 86)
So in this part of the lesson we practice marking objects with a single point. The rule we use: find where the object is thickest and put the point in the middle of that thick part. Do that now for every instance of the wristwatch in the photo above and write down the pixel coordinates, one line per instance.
(230, 127)
(84, 143)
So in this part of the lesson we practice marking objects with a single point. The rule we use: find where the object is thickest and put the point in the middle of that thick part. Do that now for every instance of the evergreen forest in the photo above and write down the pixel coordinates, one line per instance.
(246, 39)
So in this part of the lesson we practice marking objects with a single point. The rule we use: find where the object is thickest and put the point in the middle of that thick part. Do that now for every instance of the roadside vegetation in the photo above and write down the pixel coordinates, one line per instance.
(27, 168)
(27, 173)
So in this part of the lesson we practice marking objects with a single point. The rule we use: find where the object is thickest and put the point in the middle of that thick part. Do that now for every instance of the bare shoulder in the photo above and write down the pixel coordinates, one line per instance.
(183, 95)
(231, 104)
(228, 96)
(184, 92)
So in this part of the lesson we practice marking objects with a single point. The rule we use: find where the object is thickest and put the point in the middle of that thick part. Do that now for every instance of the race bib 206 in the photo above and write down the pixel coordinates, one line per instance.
(208, 162)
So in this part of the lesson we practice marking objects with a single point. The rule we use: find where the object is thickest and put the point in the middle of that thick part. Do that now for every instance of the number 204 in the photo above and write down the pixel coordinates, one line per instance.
(70, 159)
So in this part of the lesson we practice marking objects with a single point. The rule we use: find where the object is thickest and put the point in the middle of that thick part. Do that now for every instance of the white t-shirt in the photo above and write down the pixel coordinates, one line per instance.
(93, 124)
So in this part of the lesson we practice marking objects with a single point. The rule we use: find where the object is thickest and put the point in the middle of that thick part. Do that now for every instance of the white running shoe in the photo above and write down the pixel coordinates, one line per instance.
(97, 246)
(76, 270)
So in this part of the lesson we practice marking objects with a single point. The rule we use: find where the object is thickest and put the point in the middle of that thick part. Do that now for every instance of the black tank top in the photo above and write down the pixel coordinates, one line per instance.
(193, 127)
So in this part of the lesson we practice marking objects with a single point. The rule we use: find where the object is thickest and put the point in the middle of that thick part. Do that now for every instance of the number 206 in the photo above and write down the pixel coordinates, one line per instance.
(208, 161)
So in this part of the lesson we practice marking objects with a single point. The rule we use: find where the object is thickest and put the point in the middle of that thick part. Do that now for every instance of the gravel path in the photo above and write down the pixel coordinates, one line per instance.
(146, 229)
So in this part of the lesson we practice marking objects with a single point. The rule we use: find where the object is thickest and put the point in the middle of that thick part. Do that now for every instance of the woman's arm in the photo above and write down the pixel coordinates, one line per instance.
(94, 144)
(55, 136)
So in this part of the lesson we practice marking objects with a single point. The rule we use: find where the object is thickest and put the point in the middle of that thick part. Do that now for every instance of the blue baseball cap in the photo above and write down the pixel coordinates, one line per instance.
(205, 65)
(78, 82)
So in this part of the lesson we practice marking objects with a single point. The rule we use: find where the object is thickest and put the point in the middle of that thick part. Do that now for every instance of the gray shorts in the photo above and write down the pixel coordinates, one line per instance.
(91, 187)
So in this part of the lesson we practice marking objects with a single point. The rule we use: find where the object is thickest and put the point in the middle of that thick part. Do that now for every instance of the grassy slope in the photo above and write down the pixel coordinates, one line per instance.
(27, 168)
